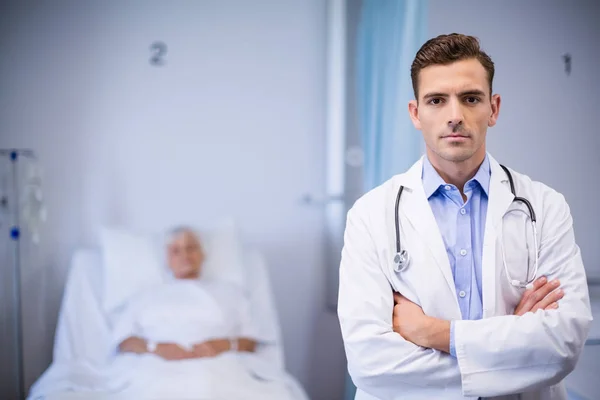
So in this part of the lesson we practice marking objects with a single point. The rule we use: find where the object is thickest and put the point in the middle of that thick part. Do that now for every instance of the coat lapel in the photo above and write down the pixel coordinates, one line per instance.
(499, 201)
(415, 207)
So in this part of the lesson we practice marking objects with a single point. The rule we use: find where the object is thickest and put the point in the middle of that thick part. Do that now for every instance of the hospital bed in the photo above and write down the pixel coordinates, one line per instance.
(82, 345)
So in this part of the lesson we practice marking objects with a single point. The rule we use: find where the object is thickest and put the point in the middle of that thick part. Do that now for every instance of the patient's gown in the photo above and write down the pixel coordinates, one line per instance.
(188, 312)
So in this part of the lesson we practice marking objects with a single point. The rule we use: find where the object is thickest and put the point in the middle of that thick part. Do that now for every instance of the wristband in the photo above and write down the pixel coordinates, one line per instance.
(151, 346)
(233, 344)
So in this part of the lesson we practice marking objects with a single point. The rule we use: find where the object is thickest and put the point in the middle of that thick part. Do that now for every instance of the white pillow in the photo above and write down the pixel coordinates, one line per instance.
(131, 262)
(224, 254)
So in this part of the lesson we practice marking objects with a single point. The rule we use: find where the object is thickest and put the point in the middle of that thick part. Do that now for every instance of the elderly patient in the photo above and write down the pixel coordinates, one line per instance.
(193, 337)
(185, 258)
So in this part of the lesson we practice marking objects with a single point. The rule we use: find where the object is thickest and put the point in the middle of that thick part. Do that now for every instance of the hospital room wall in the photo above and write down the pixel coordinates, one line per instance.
(232, 125)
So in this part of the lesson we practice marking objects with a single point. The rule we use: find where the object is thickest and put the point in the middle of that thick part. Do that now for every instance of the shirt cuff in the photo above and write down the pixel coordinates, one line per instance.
(452, 348)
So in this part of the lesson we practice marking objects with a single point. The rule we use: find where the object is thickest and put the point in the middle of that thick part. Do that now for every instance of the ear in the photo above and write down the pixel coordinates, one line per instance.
(496, 100)
(413, 112)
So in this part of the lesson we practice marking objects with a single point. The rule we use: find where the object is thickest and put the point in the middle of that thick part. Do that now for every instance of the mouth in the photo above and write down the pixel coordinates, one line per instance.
(455, 137)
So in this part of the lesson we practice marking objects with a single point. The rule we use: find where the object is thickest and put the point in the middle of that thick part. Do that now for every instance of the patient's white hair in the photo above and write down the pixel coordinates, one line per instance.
(177, 231)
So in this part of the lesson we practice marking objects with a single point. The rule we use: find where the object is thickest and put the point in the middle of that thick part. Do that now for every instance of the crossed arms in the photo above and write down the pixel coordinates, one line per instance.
(412, 324)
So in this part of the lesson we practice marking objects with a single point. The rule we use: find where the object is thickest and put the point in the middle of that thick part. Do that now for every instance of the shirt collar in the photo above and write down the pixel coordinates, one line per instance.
(432, 180)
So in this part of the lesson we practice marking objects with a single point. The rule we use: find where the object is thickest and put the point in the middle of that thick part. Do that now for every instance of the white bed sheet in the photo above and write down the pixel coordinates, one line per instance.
(82, 349)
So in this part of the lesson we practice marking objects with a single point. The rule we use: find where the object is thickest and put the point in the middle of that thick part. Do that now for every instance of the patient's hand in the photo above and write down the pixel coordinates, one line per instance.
(211, 348)
(172, 351)
(133, 344)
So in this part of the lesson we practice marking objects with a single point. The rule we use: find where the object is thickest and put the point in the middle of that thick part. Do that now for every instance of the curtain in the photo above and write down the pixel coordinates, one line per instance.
(389, 35)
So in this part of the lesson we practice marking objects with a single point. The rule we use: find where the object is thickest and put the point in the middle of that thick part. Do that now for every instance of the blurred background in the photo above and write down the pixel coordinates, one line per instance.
(278, 113)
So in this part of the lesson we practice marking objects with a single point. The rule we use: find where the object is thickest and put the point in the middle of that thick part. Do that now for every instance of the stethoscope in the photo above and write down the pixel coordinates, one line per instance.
(402, 257)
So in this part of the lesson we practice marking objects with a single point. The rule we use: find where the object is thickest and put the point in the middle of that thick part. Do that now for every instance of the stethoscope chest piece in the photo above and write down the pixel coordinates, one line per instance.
(401, 261)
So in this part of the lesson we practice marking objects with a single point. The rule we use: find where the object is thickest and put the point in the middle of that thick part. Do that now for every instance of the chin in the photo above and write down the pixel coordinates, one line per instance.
(456, 154)
(185, 274)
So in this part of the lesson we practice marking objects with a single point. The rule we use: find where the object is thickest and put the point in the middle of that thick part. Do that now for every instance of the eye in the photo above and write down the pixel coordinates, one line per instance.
(436, 101)
(472, 100)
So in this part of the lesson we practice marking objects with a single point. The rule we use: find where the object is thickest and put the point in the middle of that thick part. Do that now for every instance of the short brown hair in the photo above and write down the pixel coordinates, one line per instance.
(446, 49)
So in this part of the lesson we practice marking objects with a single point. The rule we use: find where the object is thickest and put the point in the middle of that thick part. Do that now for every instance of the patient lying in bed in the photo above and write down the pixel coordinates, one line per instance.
(192, 338)
(170, 321)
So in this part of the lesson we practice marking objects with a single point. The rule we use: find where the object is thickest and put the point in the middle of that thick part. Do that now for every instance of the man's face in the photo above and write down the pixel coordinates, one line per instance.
(454, 110)
(185, 256)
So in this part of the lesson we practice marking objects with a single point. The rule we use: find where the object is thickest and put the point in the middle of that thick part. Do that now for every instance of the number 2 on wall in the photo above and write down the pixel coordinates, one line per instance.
(158, 49)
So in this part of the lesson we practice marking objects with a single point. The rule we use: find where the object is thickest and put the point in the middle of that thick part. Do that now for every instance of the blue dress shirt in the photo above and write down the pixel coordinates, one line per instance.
(462, 224)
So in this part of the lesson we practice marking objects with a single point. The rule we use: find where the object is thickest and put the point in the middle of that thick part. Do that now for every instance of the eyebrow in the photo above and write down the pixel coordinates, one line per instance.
(470, 92)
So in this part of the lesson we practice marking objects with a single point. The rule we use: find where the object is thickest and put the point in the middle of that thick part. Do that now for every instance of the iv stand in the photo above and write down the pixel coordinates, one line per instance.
(15, 234)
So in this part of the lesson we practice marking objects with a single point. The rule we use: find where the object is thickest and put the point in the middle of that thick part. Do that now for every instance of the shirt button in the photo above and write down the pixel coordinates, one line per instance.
(462, 293)
(463, 211)
(463, 252)
(447, 187)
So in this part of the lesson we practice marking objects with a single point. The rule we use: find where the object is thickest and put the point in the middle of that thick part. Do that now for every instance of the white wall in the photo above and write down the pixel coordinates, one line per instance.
(233, 124)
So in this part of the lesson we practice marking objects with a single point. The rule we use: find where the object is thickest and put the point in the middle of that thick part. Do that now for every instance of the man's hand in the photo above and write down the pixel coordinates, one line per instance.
(172, 351)
(413, 325)
(542, 296)
(211, 348)
(408, 319)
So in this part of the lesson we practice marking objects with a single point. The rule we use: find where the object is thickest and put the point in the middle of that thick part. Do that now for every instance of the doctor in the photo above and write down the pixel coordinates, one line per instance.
(482, 303)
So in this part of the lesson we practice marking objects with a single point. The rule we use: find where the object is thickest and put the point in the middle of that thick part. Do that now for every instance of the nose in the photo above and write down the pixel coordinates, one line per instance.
(456, 117)
(455, 125)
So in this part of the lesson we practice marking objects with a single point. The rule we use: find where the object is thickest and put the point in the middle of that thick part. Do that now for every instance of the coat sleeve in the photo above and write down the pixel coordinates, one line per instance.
(380, 362)
(512, 354)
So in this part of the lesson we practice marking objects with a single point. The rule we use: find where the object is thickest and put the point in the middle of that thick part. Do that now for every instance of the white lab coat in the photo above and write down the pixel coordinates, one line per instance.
(500, 355)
